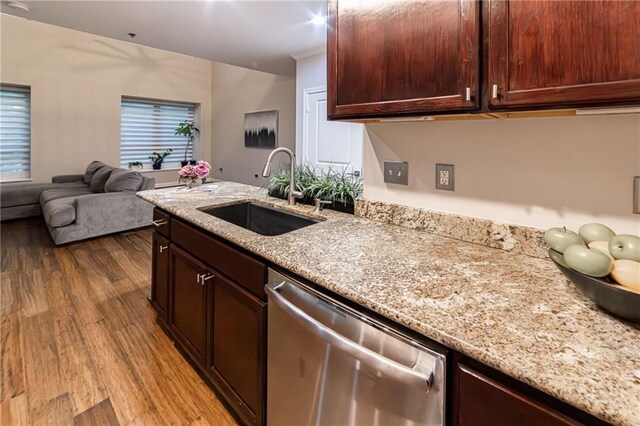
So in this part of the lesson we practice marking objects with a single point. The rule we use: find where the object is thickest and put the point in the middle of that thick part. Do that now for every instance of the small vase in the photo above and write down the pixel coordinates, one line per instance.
(191, 182)
(157, 166)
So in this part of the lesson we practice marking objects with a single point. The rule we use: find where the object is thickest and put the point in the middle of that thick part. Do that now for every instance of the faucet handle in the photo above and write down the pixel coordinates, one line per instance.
(297, 194)
(319, 203)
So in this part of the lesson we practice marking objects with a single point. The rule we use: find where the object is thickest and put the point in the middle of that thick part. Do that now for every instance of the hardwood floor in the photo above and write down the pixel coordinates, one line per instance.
(79, 341)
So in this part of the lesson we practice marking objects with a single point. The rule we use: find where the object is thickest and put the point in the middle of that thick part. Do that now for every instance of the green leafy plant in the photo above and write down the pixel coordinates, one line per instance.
(158, 157)
(331, 185)
(187, 128)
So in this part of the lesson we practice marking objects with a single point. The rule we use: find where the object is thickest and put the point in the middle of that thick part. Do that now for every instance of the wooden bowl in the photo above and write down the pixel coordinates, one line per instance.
(604, 292)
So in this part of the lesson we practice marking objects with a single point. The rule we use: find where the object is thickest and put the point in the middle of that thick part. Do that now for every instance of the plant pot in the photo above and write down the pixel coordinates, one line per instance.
(157, 166)
(342, 207)
(192, 162)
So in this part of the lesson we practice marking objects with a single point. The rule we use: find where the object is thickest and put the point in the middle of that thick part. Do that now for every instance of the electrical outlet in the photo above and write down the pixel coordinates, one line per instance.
(396, 172)
(444, 177)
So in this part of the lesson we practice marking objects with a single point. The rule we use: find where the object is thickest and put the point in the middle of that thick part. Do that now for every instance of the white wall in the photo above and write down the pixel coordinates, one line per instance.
(538, 172)
(236, 91)
(77, 81)
(311, 73)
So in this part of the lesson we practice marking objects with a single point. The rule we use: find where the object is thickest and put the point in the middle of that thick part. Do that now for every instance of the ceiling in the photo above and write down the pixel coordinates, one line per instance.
(253, 34)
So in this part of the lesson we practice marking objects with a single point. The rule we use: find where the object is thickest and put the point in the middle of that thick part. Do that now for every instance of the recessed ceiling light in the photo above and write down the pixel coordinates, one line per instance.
(19, 5)
(318, 20)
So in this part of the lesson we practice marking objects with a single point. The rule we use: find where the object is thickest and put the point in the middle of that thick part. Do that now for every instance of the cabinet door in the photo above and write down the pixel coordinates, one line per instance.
(188, 313)
(480, 401)
(160, 275)
(563, 52)
(388, 57)
(238, 352)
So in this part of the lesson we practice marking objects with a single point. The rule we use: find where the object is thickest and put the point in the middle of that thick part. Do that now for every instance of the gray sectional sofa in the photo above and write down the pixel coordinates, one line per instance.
(77, 207)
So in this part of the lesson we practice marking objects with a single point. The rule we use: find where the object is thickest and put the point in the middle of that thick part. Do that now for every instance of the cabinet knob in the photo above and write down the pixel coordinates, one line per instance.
(467, 94)
(494, 91)
(163, 248)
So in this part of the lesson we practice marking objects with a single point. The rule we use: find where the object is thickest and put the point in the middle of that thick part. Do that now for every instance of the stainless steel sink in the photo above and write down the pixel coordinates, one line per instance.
(260, 219)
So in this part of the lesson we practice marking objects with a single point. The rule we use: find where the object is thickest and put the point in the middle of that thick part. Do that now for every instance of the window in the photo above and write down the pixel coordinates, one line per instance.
(149, 126)
(15, 133)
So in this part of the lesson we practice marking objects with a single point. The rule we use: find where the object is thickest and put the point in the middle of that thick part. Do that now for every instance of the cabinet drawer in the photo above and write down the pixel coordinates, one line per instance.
(249, 273)
(162, 222)
(483, 401)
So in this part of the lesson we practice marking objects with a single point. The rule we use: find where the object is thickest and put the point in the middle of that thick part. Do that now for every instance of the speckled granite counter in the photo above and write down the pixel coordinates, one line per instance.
(512, 312)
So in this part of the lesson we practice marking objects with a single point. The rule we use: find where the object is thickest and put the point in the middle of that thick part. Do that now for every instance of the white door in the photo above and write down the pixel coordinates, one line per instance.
(330, 144)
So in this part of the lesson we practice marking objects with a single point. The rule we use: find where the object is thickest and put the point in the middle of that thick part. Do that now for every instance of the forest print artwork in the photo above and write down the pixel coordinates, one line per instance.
(261, 129)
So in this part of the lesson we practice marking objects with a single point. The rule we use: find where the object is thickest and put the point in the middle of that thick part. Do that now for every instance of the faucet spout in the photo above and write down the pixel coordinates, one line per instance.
(293, 194)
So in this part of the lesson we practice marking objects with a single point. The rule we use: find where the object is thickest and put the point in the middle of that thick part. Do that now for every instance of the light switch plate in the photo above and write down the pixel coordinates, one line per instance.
(636, 194)
(396, 172)
(444, 177)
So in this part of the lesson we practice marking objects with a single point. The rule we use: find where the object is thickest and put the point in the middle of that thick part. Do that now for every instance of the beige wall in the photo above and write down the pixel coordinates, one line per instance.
(538, 172)
(77, 81)
(236, 91)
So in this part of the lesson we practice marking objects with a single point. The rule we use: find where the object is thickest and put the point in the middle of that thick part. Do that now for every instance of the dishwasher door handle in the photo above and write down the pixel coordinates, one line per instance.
(375, 360)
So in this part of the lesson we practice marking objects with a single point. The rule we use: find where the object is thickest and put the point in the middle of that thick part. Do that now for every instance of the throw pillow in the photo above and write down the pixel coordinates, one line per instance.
(123, 180)
(92, 168)
(100, 178)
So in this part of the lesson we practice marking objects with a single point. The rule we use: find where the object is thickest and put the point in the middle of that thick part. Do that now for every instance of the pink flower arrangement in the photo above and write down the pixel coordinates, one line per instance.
(191, 174)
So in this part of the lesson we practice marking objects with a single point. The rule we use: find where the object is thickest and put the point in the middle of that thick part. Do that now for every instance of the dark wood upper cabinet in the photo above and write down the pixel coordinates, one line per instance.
(238, 333)
(188, 315)
(402, 57)
(160, 276)
(562, 52)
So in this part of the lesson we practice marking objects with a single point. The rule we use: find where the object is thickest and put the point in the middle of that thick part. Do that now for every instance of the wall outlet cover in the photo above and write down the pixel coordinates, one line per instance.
(396, 172)
(445, 178)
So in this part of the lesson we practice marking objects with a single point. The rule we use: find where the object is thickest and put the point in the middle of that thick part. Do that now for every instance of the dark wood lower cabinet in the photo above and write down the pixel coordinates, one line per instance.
(238, 347)
(188, 310)
(482, 401)
(160, 276)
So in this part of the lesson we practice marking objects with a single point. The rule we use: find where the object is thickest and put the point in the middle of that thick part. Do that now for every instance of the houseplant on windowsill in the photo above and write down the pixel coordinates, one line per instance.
(157, 158)
(192, 175)
(187, 128)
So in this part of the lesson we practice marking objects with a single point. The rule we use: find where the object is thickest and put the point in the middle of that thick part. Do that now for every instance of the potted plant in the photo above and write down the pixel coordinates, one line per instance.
(187, 128)
(157, 158)
(135, 165)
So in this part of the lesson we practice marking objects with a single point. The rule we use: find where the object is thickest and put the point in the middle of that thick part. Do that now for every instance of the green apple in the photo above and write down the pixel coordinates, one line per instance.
(595, 232)
(625, 247)
(561, 238)
(602, 246)
(587, 261)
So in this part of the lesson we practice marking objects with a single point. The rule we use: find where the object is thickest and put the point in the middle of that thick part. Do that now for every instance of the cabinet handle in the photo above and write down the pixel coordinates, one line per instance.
(200, 279)
(158, 223)
(163, 248)
(494, 91)
(467, 95)
(206, 277)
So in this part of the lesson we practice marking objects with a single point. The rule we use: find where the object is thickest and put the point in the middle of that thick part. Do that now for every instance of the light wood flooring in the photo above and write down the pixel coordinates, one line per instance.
(79, 341)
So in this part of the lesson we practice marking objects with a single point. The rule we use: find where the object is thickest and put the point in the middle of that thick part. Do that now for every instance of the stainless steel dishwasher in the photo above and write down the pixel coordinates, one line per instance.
(328, 364)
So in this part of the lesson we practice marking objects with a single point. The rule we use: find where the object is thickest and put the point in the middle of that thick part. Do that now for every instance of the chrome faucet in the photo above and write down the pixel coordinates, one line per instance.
(293, 194)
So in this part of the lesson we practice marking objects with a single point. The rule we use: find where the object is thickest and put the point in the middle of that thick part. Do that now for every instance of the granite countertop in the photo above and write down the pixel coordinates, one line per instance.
(515, 313)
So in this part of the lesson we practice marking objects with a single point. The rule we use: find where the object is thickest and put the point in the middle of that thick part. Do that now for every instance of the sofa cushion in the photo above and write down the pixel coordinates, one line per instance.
(91, 170)
(60, 212)
(23, 194)
(53, 194)
(100, 178)
(123, 180)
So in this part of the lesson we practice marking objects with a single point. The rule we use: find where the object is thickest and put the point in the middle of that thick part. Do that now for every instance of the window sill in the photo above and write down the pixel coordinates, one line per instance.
(170, 169)
(16, 180)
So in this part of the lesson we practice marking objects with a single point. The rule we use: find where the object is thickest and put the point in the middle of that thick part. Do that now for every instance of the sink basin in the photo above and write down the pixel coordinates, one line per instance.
(260, 219)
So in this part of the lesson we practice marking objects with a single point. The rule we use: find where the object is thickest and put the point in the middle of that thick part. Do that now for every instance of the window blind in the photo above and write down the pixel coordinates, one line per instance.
(149, 126)
(15, 132)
